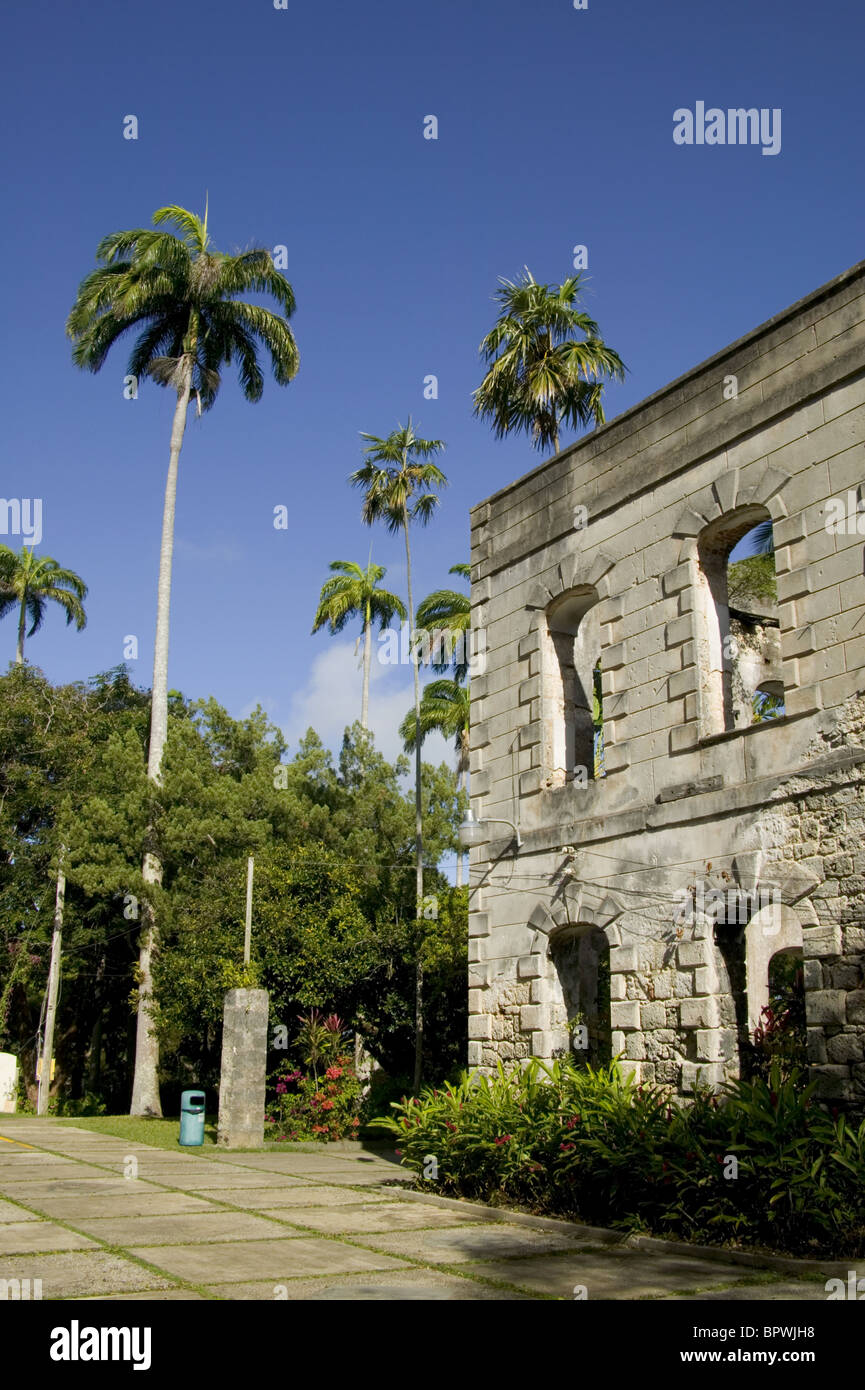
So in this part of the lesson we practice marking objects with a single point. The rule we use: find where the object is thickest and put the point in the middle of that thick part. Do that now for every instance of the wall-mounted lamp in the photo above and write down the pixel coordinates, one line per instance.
(475, 832)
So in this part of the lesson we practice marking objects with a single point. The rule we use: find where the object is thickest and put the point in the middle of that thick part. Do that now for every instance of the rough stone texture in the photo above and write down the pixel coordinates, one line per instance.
(710, 843)
(243, 1073)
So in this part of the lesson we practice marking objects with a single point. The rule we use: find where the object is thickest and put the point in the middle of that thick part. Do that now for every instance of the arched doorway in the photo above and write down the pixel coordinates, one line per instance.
(580, 1009)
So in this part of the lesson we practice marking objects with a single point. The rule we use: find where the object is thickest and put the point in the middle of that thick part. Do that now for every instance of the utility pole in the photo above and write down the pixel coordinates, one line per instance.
(53, 991)
(247, 935)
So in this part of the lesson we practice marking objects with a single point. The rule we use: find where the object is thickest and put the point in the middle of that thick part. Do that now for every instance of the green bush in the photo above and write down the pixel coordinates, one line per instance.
(762, 1164)
(324, 1101)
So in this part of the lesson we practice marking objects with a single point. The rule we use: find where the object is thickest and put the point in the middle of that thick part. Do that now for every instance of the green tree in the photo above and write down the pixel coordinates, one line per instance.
(399, 480)
(54, 743)
(354, 592)
(445, 709)
(29, 582)
(541, 376)
(447, 611)
(178, 293)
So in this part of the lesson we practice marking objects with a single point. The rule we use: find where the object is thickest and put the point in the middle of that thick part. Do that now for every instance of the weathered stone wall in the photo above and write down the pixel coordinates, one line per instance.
(694, 798)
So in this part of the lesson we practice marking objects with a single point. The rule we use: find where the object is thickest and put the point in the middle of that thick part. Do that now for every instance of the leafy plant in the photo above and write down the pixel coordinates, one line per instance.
(760, 1164)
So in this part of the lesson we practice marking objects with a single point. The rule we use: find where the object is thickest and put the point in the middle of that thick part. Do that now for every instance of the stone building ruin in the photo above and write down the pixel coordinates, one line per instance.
(672, 842)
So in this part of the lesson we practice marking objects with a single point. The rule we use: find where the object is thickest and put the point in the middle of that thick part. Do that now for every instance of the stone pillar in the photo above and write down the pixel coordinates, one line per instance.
(244, 1063)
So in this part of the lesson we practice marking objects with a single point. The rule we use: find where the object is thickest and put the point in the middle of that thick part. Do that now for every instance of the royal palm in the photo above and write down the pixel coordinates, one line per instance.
(399, 480)
(29, 582)
(541, 374)
(177, 294)
(447, 611)
(353, 592)
(444, 709)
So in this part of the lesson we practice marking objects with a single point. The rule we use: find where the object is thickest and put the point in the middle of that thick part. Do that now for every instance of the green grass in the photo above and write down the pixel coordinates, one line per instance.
(163, 1134)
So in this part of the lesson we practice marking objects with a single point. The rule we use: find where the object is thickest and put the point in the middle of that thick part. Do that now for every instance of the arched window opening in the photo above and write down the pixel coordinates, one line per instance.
(781, 1035)
(775, 990)
(769, 701)
(739, 648)
(573, 714)
(580, 1019)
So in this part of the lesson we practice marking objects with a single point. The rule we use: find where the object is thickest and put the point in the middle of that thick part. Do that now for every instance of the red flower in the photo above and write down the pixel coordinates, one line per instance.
(333, 1073)
(566, 1148)
(572, 1121)
(328, 1104)
(503, 1139)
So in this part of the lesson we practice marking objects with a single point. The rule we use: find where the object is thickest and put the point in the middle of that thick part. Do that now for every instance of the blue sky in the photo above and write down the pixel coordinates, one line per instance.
(305, 126)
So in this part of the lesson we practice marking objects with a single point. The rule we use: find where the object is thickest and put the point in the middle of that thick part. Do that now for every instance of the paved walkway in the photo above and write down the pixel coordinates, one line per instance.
(79, 1214)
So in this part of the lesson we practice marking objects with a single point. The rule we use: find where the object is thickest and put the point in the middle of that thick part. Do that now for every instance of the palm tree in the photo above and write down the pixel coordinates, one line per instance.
(29, 582)
(763, 538)
(444, 707)
(178, 293)
(540, 375)
(398, 479)
(447, 610)
(350, 593)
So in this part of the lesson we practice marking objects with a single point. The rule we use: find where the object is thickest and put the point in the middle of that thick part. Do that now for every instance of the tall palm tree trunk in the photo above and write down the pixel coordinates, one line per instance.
(367, 660)
(461, 782)
(418, 826)
(22, 626)
(145, 1082)
(53, 992)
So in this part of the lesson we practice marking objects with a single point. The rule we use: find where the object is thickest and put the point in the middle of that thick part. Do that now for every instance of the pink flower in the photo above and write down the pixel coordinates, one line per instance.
(280, 1087)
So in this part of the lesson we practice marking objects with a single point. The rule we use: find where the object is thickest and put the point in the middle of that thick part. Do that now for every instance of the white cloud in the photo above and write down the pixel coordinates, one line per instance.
(331, 696)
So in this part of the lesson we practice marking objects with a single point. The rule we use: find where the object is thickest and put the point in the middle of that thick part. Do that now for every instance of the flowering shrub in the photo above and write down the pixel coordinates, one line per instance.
(762, 1163)
(323, 1102)
(304, 1107)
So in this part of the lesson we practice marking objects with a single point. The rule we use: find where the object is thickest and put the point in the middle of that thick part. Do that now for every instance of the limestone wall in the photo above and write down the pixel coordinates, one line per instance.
(634, 521)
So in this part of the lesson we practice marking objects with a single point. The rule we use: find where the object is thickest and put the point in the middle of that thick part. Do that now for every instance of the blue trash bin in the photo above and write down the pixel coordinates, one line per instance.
(192, 1117)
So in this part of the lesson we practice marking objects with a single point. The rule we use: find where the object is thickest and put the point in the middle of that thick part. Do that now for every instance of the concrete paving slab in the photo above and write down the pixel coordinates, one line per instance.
(9, 1212)
(44, 1172)
(275, 1260)
(622, 1275)
(477, 1242)
(259, 1198)
(84, 1189)
(81, 1273)
(12, 1160)
(359, 1179)
(192, 1228)
(23, 1237)
(407, 1285)
(773, 1293)
(148, 1296)
(382, 1216)
(222, 1181)
(291, 1159)
(124, 1204)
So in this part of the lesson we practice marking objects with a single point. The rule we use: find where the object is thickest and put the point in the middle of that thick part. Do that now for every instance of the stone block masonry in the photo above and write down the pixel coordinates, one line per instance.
(646, 905)
(243, 1074)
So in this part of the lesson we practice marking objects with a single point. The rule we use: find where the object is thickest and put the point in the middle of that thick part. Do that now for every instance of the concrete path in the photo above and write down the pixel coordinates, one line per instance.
(95, 1217)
